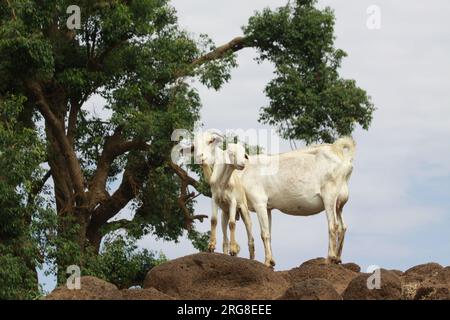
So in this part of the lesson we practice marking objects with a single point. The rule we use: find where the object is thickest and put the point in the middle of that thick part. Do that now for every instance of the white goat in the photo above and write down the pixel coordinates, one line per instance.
(228, 194)
(301, 182)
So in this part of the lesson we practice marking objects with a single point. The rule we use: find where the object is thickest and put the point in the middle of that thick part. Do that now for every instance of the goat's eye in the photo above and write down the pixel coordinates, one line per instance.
(210, 141)
(246, 156)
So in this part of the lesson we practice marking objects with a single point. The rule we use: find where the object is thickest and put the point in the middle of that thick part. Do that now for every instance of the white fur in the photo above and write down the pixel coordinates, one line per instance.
(229, 194)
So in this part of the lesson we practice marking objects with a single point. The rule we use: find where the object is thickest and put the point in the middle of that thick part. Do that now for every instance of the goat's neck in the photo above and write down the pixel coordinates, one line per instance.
(221, 174)
(207, 172)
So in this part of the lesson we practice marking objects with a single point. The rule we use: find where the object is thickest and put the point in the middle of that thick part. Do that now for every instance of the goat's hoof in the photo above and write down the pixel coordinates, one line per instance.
(234, 249)
(333, 260)
(272, 263)
(211, 247)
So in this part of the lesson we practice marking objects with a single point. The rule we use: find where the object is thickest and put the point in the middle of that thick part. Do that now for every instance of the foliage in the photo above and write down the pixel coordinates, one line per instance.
(21, 152)
(120, 262)
(308, 99)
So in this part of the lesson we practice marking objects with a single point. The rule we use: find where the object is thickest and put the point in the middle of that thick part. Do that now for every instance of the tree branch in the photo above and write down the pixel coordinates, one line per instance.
(128, 190)
(183, 175)
(57, 128)
(234, 45)
(114, 146)
(72, 122)
(183, 199)
(13, 12)
(38, 185)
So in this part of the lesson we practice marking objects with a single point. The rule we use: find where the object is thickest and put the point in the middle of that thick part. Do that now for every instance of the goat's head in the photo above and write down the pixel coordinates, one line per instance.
(236, 156)
(204, 146)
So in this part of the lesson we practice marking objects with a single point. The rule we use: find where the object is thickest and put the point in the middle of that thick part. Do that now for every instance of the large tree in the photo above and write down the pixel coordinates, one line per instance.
(134, 55)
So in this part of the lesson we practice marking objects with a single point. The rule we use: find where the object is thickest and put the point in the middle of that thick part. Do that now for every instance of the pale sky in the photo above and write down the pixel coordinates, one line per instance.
(398, 214)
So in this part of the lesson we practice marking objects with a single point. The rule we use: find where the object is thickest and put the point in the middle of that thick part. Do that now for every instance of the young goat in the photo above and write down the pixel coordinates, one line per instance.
(229, 194)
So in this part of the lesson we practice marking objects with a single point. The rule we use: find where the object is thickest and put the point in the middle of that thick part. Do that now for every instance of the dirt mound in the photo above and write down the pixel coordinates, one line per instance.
(218, 276)
(312, 289)
(338, 275)
(93, 288)
(362, 288)
(429, 281)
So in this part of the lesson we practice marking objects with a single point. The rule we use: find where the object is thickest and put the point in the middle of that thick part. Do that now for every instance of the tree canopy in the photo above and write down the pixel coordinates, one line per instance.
(134, 54)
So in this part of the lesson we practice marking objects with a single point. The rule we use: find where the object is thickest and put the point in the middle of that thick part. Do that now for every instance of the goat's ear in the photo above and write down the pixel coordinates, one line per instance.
(216, 139)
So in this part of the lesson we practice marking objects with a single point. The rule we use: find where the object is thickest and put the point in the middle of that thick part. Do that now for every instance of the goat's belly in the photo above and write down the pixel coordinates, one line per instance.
(297, 205)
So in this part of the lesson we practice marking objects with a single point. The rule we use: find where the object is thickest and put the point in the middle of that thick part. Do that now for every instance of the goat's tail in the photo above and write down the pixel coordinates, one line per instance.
(346, 147)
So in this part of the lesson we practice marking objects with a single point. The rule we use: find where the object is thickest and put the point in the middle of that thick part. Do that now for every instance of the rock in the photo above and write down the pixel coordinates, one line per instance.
(338, 275)
(216, 276)
(397, 272)
(433, 292)
(421, 272)
(144, 294)
(435, 287)
(421, 277)
(312, 289)
(92, 288)
(390, 287)
(352, 267)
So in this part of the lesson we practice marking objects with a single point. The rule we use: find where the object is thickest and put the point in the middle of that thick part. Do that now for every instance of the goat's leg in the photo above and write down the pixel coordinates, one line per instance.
(342, 229)
(226, 243)
(213, 236)
(269, 216)
(330, 209)
(248, 227)
(234, 247)
(261, 211)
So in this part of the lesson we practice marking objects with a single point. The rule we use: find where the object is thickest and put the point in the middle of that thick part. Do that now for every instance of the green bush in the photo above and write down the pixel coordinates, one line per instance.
(121, 263)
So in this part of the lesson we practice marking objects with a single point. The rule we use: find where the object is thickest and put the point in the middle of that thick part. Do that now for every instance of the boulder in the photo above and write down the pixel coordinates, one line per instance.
(424, 277)
(352, 267)
(216, 276)
(92, 288)
(390, 287)
(421, 272)
(435, 287)
(338, 275)
(312, 289)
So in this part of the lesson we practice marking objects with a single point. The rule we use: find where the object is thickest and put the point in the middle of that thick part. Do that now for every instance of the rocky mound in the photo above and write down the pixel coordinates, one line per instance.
(93, 288)
(218, 276)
